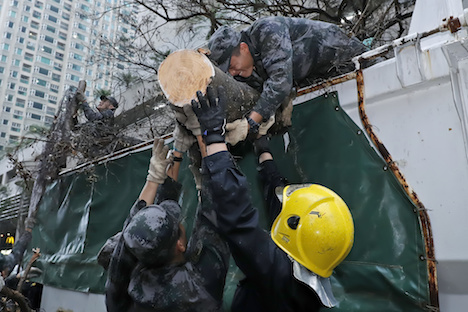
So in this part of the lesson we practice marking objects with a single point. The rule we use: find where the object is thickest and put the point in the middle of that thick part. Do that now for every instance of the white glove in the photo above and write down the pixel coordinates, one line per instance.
(182, 139)
(2, 282)
(188, 119)
(237, 131)
(263, 129)
(158, 162)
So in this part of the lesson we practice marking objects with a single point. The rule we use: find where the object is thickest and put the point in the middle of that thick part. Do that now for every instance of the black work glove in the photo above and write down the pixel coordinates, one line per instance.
(211, 115)
(261, 145)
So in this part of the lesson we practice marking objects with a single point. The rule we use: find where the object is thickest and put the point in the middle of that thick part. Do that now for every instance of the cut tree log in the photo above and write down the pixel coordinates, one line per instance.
(184, 72)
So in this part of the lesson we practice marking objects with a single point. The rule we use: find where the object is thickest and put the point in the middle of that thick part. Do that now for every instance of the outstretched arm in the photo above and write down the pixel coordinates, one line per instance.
(253, 250)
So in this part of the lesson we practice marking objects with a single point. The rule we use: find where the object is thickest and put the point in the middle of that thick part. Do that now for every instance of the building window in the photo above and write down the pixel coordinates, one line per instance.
(39, 5)
(9, 98)
(37, 105)
(32, 35)
(43, 71)
(52, 19)
(44, 60)
(28, 57)
(12, 14)
(7, 35)
(20, 39)
(7, 109)
(56, 77)
(22, 90)
(35, 116)
(54, 88)
(25, 18)
(24, 79)
(3, 58)
(76, 67)
(79, 46)
(61, 46)
(20, 102)
(3, 134)
(13, 139)
(51, 29)
(49, 39)
(10, 24)
(77, 57)
(74, 78)
(6, 46)
(66, 16)
(5, 121)
(15, 127)
(54, 9)
(82, 27)
(26, 68)
(46, 49)
(18, 51)
(41, 82)
(50, 111)
(36, 14)
(58, 66)
(34, 25)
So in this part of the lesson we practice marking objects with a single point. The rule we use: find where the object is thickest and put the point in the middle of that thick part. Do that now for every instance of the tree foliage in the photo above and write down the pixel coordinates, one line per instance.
(162, 26)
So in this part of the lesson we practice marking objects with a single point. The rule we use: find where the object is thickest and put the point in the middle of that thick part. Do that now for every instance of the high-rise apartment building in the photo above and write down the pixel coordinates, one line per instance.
(47, 46)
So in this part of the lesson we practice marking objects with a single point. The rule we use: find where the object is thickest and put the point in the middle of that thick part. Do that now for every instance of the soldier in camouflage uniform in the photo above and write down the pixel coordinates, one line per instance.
(105, 109)
(152, 267)
(276, 54)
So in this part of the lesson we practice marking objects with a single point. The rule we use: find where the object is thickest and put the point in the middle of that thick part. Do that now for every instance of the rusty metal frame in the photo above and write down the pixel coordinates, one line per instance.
(420, 209)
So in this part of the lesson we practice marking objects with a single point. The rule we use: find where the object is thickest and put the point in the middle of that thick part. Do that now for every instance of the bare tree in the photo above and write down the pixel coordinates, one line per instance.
(162, 26)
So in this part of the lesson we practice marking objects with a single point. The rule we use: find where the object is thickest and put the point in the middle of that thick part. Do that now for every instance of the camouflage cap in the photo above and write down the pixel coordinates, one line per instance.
(110, 99)
(221, 45)
(152, 233)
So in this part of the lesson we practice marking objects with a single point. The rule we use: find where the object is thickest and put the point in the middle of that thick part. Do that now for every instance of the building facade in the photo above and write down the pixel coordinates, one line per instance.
(47, 46)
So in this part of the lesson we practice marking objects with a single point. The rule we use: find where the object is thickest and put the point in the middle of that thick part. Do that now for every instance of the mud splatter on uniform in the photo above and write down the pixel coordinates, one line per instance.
(196, 285)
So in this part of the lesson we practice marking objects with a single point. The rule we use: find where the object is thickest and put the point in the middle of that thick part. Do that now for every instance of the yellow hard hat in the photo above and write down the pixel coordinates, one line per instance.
(314, 227)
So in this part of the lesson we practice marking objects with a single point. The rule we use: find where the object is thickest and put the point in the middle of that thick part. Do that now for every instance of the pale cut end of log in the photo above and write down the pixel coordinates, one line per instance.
(182, 74)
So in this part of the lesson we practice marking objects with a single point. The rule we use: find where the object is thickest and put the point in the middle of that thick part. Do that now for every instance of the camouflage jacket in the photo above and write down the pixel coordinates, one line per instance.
(196, 285)
(294, 51)
(106, 116)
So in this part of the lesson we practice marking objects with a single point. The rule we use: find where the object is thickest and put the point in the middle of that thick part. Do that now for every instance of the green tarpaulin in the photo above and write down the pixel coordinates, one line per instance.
(383, 272)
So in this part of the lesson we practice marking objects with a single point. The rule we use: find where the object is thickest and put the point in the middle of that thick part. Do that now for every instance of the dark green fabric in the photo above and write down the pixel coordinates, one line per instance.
(383, 272)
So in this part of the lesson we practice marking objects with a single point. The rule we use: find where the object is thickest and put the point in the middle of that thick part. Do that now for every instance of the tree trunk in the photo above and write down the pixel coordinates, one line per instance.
(184, 72)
